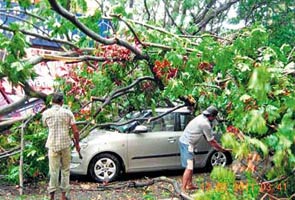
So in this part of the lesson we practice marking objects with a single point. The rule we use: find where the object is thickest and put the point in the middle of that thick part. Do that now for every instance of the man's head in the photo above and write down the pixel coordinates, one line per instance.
(58, 98)
(211, 112)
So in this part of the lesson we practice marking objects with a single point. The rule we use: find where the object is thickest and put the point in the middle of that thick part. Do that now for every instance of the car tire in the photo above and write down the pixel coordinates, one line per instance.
(217, 158)
(104, 167)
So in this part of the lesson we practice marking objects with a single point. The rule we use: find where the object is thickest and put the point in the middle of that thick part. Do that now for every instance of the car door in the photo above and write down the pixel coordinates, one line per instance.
(155, 149)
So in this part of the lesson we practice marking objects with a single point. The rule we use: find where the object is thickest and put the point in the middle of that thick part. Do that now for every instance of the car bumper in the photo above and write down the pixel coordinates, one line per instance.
(78, 166)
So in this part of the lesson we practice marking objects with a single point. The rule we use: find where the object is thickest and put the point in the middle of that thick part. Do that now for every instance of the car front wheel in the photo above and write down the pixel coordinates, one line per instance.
(104, 167)
(217, 158)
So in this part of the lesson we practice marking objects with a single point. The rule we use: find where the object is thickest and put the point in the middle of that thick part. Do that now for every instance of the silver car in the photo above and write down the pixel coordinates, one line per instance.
(135, 147)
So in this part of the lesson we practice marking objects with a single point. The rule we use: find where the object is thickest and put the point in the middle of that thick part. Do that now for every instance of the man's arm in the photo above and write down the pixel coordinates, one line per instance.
(216, 145)
(76, 136)
(207, 130)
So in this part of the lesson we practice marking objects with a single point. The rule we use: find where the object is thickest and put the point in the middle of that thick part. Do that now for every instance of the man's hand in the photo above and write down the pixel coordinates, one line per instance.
(217, 146)
(78, 150)
(77, 146)
(190, 148)
(76, 139)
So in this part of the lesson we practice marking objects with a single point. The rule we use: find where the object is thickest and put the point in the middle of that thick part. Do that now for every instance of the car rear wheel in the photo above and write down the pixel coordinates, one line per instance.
(217, 158)
(104, 167)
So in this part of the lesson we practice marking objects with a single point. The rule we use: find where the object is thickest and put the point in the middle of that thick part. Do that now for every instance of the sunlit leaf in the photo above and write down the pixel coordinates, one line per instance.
(258, 144)
(273, 113)
(259, 82)
(256, 122)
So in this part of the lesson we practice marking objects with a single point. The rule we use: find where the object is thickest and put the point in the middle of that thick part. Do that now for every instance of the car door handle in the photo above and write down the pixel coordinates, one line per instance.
(171, 140)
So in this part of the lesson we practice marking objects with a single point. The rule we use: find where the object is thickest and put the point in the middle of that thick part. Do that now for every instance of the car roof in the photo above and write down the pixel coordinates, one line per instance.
(179, 110)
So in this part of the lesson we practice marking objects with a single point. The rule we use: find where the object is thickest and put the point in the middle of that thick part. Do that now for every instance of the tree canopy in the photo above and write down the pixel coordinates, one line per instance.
(169, 53)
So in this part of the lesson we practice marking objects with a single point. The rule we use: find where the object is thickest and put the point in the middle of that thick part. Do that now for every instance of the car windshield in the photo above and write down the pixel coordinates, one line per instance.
(131, 125)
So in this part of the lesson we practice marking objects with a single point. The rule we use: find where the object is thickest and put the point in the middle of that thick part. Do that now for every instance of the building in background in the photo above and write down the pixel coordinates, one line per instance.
(47, 72)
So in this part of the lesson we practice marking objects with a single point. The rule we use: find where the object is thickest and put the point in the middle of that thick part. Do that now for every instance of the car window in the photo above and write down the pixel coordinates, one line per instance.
(185, 118)
(169, 121)
(165, 123)
(130, 126)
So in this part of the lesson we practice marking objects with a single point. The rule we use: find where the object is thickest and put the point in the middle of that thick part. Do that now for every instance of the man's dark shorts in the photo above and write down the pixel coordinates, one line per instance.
(185, 154)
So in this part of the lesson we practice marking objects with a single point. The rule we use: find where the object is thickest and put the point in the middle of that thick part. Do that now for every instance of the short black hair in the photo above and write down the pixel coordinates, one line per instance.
(57, 97)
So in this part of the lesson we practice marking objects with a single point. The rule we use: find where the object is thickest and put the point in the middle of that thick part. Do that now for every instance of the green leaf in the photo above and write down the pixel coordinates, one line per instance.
(243, 67)
(41, 158)
(269, 54)
(290, 102)
(285, 48)
(175, 58)
(174, 88)
(242, 151)
(273, 113)
(259, 83)
(258, 144)
(119, 10)
(222, 175)
(17, 66)
(279, 157)
(272, 140)
(259, 34)
(286, 127)
(256, 122)
(25, 3)
(229, 141)
(82, 4)
(284, 142)
(245, 97)
(32, 153)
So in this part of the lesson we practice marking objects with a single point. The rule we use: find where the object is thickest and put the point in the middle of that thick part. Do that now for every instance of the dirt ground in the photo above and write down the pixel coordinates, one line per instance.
(83, 188)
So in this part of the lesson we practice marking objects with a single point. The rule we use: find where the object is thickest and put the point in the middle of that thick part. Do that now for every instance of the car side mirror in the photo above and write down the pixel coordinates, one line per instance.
(140, 129)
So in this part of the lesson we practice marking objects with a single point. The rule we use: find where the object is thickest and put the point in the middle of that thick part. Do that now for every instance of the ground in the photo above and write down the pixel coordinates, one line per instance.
(83, 188)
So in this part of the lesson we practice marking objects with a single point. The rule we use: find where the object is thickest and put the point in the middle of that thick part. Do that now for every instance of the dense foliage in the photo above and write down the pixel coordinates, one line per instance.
(248, 74)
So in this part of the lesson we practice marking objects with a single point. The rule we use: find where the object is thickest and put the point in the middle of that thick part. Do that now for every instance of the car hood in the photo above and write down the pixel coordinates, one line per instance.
(102, 135)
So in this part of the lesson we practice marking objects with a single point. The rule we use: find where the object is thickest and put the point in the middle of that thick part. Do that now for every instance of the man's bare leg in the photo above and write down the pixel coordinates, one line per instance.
(51, 195)
(63, 196)
(186, 178)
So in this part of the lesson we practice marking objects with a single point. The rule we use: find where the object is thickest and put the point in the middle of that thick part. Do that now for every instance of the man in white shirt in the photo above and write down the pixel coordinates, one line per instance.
(59, 121)
(200, 126)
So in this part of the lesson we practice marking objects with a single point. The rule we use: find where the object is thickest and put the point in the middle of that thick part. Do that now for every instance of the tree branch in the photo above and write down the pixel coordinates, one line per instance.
(147, 10)
(13, 106)
(141, 119)
(168, 47)
(10, 151)
(124, 89)
(171, 18)
(201, 15)
(129, 26)
(72, 18)
(213, 14)
(24, 20)
(282, 178)
(29, 91)
(10, 122)
(57, 41)
(136, 184)
(10, 154)
(22, 11)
